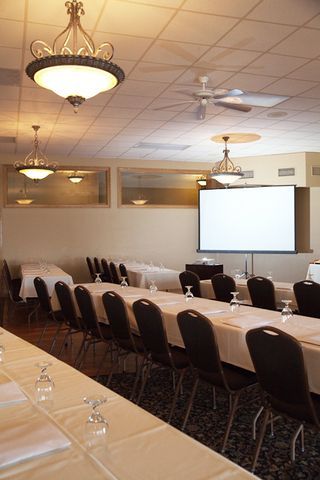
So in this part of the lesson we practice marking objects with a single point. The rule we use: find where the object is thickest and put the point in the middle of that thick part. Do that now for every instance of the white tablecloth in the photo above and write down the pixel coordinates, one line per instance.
(51, 275)
(230, 328)
(314, 272)
(283, 291)
(139, 446)
(165, 279)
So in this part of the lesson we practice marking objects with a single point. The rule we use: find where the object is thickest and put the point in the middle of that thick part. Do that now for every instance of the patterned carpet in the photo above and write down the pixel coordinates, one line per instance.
(207, 426)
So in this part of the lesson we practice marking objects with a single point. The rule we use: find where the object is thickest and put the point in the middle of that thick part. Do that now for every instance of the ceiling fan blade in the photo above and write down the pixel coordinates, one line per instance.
(262, 99)
(234, 106)
(235, 92)
(175, 104)
(202, 110)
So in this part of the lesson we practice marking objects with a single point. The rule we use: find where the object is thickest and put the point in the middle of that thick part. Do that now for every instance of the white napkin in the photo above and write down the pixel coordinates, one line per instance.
(168, 303)
(10, 393)
(214, 312)
(27, 439)
(250, 321)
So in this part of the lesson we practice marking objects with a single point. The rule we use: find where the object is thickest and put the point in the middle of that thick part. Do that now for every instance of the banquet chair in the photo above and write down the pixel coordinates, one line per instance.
(125, 340)
(91, 268)
(114, 273)
(72, 320)
(307, 294)
(152, 329)
(279, 364)
(106, 274)
(124, 272)
(202, 349)
(262, 293)
(189, 278)
(96, 332)
(97, 265)
(46, 307)
(222, 286)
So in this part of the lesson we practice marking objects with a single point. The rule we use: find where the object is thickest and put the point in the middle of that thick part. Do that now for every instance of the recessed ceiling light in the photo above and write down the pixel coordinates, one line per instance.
(277, 114)
(236, 137)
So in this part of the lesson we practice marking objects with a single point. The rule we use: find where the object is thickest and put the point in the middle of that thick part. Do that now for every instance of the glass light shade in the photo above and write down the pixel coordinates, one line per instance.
(75, 80)
(36, 173)
(202, 182)
(75, 178)
(24, 201)
(226, 178)
(139, 201)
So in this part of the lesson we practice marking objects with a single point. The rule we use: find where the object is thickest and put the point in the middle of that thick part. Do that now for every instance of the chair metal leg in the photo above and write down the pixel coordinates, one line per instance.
(214, 400)
(43, 332)
(193, 392)
(260, 439)
(138, 374)
(254, 423)
(299, 431)
(144, 381)
(60, 325)
(79, 354)
(234, 404)
(34, 311)
(63, 342)
(176, 393)
(109, 346)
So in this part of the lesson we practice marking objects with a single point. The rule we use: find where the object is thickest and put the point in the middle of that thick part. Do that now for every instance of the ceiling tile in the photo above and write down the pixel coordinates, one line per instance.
(39, 107)
(9, 93)
(251, 83)
(191, 76)
(160, 3)
(276, 65)
(10, 58)
(314, 23)
(291, 12)
(306, 117)
(134, 19)
(11, 34)
(226, 59)
(174, 53)
(197, 28)
(156, 72)
(125, 46)
(129, 101)
(252, 35)
(288, 87)
(145, 89)
(156, 115)
(120, 113)
(302, 43)
(234, 8)
(310, 71)
(45, 33)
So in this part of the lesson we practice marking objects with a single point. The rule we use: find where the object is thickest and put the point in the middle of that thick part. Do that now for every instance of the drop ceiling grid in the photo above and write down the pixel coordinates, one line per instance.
(128, 96)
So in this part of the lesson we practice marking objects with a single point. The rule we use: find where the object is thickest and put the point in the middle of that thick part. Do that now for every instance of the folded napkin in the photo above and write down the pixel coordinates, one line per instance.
(27, 439)
(249, 321)
(214, 312)
(131, 296)
(10, 393)
(167, 303)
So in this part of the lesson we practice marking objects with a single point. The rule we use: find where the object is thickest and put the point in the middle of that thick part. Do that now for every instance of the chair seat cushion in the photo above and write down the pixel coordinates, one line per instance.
(236, 377)
(126, 344)
(105, 332)
(16, 285)
(178, 355)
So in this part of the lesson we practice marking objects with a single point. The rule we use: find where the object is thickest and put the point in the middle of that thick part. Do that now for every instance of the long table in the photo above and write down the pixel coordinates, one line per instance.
(139, 446)
(230, 327)
(50, 273)
(283, 291)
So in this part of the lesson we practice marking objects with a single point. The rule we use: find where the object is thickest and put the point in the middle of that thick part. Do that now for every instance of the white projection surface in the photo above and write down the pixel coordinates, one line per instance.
(256, 219)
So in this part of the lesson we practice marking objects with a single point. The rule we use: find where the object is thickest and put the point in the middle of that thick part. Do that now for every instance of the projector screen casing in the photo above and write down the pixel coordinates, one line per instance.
(248, 220)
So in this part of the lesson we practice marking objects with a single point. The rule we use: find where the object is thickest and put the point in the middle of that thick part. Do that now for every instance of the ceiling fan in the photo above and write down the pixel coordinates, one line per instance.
(235, 99)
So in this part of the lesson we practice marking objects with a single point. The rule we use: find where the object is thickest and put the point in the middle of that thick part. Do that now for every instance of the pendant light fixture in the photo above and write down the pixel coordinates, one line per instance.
(226, 173)
(75, 177)
(140, 200)
(72, 70)
(202, 181)
(36, 165)
(24, 200)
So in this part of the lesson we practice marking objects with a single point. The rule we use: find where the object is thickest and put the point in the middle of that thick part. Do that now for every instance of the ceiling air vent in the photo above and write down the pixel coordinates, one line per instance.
(161, 146)
(9, 77)
(248, 173)
(315, 170)
(286, 172)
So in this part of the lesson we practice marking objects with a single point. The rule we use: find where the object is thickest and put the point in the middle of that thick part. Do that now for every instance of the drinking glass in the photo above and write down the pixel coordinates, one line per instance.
(96, 427)
(286, 312)
(98, 278)
(269, 276)
(235, 302)
(236, 273)
(153, 287)
(124, 282)
(161, 267)
(188, 295)
(44, 386)
(2, 350)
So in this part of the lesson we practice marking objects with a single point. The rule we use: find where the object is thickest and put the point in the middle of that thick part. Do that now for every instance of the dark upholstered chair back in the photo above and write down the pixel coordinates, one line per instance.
(114, 273)
(278, 361)
(124, 272)
(97, 265)
(201, 346)
(116, 311)
(307, 294)
(67, 305)
(262, 293)
(106, 275)
(43, 294)
(190, 278)
(222, 286)
(152, 330)
(90, 267)
(86, 307)
(13, 285)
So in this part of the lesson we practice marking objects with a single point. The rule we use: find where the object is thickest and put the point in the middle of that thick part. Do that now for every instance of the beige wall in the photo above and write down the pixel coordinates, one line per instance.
(66, 235)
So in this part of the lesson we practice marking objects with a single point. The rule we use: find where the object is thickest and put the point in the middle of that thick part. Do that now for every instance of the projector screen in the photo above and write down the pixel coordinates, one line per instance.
(254, 219)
